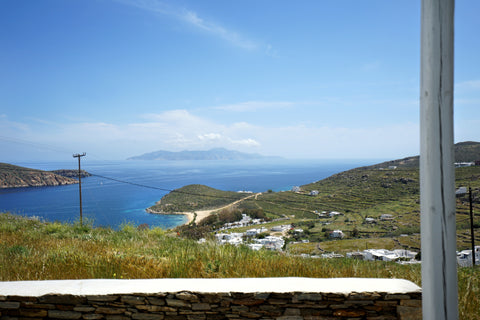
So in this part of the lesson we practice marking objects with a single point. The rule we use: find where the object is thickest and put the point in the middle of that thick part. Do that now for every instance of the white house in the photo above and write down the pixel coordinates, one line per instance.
(277, 228)
(464, 258)
(251, 232)
(370, 220)
(380, 254)
(383, 255)
(334, 213)
(314, 193)
(386, 217)
(337, 234)
(284, 227)
(464, 164)
(254, 232)
(271, 242)
(461, 190)
(405, 254)
(296, 189)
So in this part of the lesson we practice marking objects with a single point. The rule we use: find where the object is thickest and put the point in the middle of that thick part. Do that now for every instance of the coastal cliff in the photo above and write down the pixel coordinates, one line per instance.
(12, 176)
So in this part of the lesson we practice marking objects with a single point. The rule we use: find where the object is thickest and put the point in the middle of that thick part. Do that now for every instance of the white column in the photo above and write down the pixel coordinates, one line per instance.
(437, 171)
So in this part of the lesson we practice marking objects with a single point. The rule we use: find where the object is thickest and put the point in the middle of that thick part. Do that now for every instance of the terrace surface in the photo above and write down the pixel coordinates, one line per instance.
(243, 285)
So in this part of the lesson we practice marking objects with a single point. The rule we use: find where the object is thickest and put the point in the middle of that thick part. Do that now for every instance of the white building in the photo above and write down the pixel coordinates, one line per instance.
(337, 234)
(254, 232)
(231, 238)
(464, 258)
(383, 255)
(334, 213)
(464, 164)
(284, 227)
(271, 242)
(461, 190)
(386, 217)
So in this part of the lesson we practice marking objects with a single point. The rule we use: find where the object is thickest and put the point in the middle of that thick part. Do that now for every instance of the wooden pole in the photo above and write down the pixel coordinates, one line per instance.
(437, 172)
(80, 184)
(472, 231)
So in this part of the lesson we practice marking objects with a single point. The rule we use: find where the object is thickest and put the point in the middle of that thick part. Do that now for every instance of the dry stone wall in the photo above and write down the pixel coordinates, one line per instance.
(192, 305)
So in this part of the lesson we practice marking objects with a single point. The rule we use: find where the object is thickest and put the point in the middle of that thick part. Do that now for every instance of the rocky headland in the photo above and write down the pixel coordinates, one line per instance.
(12, 176)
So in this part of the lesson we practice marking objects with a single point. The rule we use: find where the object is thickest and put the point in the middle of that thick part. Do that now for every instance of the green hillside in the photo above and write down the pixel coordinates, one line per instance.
(468, 151)
(367, 192)
(195, 197)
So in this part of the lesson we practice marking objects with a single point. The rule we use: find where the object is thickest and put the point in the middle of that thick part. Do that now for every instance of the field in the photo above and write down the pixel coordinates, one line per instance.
(33, 250)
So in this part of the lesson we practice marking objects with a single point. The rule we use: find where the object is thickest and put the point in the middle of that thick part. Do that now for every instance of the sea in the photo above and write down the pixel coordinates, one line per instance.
(119, 191)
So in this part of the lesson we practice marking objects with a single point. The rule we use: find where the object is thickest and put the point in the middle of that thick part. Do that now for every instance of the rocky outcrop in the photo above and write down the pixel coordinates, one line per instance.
(16, 177)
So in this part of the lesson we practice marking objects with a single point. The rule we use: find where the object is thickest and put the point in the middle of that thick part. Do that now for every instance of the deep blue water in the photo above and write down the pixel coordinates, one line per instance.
(112, 203)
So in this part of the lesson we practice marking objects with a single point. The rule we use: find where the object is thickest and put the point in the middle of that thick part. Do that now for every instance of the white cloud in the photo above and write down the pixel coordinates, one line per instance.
(9, 127)
(193, 19)
(246, 143)
(210, 136)
(177, 130)
(217, 30)
(471, 84)
(250, 106)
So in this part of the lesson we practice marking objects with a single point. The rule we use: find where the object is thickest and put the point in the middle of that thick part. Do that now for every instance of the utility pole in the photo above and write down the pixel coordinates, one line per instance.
(437, 172)
(77, 155)
(471, 227)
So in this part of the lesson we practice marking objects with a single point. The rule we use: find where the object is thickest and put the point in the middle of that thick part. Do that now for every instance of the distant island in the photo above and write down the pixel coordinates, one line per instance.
(12, 176)
(212, 154)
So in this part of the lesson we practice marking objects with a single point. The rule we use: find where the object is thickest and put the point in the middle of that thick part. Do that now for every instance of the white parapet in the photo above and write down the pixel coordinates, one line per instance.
(243, 285)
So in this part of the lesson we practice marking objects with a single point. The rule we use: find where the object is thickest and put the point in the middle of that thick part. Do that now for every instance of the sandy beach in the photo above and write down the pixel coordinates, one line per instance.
(202, 214)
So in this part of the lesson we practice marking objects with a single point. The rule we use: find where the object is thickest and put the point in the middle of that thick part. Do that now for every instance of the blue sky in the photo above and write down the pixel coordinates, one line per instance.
(298, 79)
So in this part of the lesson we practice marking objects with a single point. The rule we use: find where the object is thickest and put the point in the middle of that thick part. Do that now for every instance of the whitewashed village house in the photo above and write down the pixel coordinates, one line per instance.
(337, 234)
(464, 258)
(386, 217)
(383, 255)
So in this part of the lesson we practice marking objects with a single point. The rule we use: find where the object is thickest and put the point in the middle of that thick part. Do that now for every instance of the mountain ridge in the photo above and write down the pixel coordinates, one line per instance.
(211, 154)
(466, 151)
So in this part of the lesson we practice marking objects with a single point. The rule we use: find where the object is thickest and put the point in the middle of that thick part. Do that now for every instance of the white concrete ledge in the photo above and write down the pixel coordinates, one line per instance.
(243, 285)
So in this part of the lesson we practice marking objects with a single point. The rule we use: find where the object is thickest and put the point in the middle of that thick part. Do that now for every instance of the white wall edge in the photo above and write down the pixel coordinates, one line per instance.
(243, 285)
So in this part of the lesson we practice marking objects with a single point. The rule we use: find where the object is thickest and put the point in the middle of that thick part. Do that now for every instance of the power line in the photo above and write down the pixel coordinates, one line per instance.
(163, 189)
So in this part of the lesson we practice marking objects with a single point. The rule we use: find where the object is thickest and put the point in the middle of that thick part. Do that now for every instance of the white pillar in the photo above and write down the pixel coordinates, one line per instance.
(437, 171)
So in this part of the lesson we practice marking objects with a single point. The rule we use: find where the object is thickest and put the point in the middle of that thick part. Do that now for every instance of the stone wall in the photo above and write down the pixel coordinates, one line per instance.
(210, 303)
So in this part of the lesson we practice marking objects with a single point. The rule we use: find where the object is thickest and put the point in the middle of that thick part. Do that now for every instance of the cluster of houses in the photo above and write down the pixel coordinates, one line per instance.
(248, 238)
(399, 255)
(325, 214)
(244, 222)
(464, 258)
